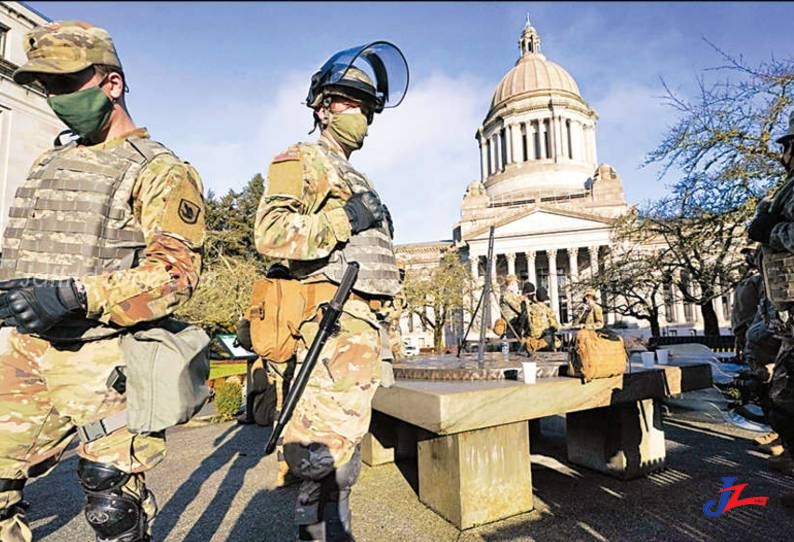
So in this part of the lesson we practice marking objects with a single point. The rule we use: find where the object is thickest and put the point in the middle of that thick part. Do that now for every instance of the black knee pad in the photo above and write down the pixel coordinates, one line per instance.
(99, 476)
(312, 462)
(116, 517)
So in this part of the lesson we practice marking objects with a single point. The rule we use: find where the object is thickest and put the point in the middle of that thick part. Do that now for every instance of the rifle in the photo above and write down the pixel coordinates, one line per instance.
(328, 326)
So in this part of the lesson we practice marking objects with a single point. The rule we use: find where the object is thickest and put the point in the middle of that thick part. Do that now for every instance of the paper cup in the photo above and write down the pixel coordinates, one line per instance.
(647, 359)
(662, 356)
(530, 371)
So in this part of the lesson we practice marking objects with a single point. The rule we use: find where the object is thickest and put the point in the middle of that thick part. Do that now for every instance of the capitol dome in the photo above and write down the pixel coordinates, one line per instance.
(533, 73)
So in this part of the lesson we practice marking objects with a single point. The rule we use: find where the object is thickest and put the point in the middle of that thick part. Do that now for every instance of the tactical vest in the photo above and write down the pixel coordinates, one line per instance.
(777, 266)
(73, 217)
(372, 249)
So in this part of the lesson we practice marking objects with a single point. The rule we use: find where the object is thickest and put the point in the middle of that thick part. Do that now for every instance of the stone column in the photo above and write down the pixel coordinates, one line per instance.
(594, 267)
(543, 131)
(518, 148)
(531, 275)
(573, 272)
(474, 262)
(531, 139)
(678, 300)
(483, 159)
(509, 144)
(511, 263)
(498, 142)
(553, 290)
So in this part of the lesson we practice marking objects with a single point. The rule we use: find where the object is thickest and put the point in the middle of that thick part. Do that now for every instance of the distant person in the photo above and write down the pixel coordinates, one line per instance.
(547, 320)
(589, 314)
(510, 307)
(745, 303)
(104, 241)
(773, 227)
(537, 323)
(319, 212)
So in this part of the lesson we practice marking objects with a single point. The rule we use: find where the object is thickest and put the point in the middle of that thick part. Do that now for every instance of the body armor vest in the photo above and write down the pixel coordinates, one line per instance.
(777, 266)
(73, 217)
(372, 249)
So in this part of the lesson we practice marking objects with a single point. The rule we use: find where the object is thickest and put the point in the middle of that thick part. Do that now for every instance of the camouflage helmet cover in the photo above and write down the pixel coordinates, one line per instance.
(63, 47)
(790, 133)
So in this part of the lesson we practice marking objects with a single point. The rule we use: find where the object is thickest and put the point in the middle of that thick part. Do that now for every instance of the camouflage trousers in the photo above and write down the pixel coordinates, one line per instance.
(45, 393)
(335, 408)
(781, 393)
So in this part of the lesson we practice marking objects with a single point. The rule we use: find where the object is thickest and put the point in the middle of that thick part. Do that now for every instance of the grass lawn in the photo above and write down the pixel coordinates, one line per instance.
(220, 370)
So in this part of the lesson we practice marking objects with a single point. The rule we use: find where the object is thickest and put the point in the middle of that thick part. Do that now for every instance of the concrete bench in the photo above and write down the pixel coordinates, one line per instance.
(471, 439)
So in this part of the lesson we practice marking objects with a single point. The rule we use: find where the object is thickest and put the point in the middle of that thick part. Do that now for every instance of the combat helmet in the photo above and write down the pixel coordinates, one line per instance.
(375, 74)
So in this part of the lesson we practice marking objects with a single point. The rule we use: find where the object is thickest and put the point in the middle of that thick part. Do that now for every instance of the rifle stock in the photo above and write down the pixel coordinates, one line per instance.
(328, 325)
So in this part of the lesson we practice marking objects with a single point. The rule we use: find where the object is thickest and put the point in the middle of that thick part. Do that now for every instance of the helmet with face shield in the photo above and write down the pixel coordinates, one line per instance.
(375, 74)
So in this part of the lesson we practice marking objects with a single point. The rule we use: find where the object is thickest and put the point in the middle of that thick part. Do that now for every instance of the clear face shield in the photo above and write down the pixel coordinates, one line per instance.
(382, 62)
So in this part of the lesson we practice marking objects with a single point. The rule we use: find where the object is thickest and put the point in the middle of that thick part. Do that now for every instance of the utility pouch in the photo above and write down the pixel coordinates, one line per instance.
(277, 310)
(597, 354)
(167, 369)
(778, 278)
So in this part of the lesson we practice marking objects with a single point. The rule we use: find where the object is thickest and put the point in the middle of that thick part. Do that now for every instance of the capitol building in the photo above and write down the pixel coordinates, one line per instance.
(541, 187)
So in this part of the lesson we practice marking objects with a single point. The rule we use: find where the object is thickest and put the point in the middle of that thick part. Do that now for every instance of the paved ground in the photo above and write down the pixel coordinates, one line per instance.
(216, 486)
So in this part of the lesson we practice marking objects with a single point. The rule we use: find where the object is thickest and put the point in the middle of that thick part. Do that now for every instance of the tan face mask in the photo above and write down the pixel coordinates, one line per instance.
(349, 128)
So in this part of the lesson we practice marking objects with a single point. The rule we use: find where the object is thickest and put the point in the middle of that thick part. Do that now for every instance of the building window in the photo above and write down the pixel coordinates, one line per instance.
(3, 36)
(536, 138)
(570, 139)
(525, 154)
(503, 141)
(547, 137)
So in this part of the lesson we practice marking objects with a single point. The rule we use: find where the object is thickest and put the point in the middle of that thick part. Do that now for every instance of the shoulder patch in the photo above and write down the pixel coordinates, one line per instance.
(287, 156)
(285, 177)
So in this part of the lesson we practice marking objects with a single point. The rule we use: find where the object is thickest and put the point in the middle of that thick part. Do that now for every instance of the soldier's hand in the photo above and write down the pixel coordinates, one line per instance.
(35, 308)
(761, 225)
(364, 210)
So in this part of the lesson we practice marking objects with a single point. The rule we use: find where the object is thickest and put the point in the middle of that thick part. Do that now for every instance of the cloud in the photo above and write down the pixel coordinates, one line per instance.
(632, 122)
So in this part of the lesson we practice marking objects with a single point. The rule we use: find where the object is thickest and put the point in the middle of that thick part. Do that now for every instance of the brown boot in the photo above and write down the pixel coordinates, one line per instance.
(763, 440)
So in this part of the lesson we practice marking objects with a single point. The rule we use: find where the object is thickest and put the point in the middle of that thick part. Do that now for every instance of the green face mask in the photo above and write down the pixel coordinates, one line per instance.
(349, 128)
(85, 112)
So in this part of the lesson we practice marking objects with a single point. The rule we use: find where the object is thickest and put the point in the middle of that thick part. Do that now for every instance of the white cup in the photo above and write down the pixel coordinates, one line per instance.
(647, 359)
(530, 369)
(662, 356)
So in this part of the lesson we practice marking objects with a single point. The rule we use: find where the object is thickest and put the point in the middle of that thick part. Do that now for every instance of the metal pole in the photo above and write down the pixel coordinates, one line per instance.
(486, 297)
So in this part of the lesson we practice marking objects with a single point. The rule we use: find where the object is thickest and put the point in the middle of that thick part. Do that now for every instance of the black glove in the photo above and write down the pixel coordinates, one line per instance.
(35, 308)
(761, 225)
(244, 334)
(364, 210)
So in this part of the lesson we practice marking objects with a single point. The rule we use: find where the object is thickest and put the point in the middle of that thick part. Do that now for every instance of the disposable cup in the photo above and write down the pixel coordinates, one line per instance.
(662, 356)
(530, 371)
(647, 360)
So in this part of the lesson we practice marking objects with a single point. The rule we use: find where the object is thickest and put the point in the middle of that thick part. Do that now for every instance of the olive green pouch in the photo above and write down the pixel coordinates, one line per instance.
(167, 371)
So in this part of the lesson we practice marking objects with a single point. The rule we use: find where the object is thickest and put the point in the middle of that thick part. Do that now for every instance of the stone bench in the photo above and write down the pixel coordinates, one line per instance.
(471, 439)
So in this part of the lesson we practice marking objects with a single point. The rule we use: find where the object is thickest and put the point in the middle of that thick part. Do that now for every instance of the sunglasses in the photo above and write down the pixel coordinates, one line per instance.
(65, 83)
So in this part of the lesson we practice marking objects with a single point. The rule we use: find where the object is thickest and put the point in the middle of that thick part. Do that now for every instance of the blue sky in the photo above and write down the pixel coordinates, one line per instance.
(222, 83)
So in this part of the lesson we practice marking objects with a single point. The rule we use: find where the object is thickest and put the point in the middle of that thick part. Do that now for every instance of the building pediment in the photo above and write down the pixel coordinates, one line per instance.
(542, 221)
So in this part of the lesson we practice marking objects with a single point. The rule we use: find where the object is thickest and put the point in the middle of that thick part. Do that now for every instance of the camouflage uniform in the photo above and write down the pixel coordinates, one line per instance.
(591, 317)
(745, 306)
(300, 219)
(50, 384)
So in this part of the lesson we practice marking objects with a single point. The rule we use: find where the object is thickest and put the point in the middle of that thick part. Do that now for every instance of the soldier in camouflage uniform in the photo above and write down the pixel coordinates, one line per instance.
(773, 227)
(109, 226)
(745, 305)
(589, 315)
(538, 322)
(318, 212)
